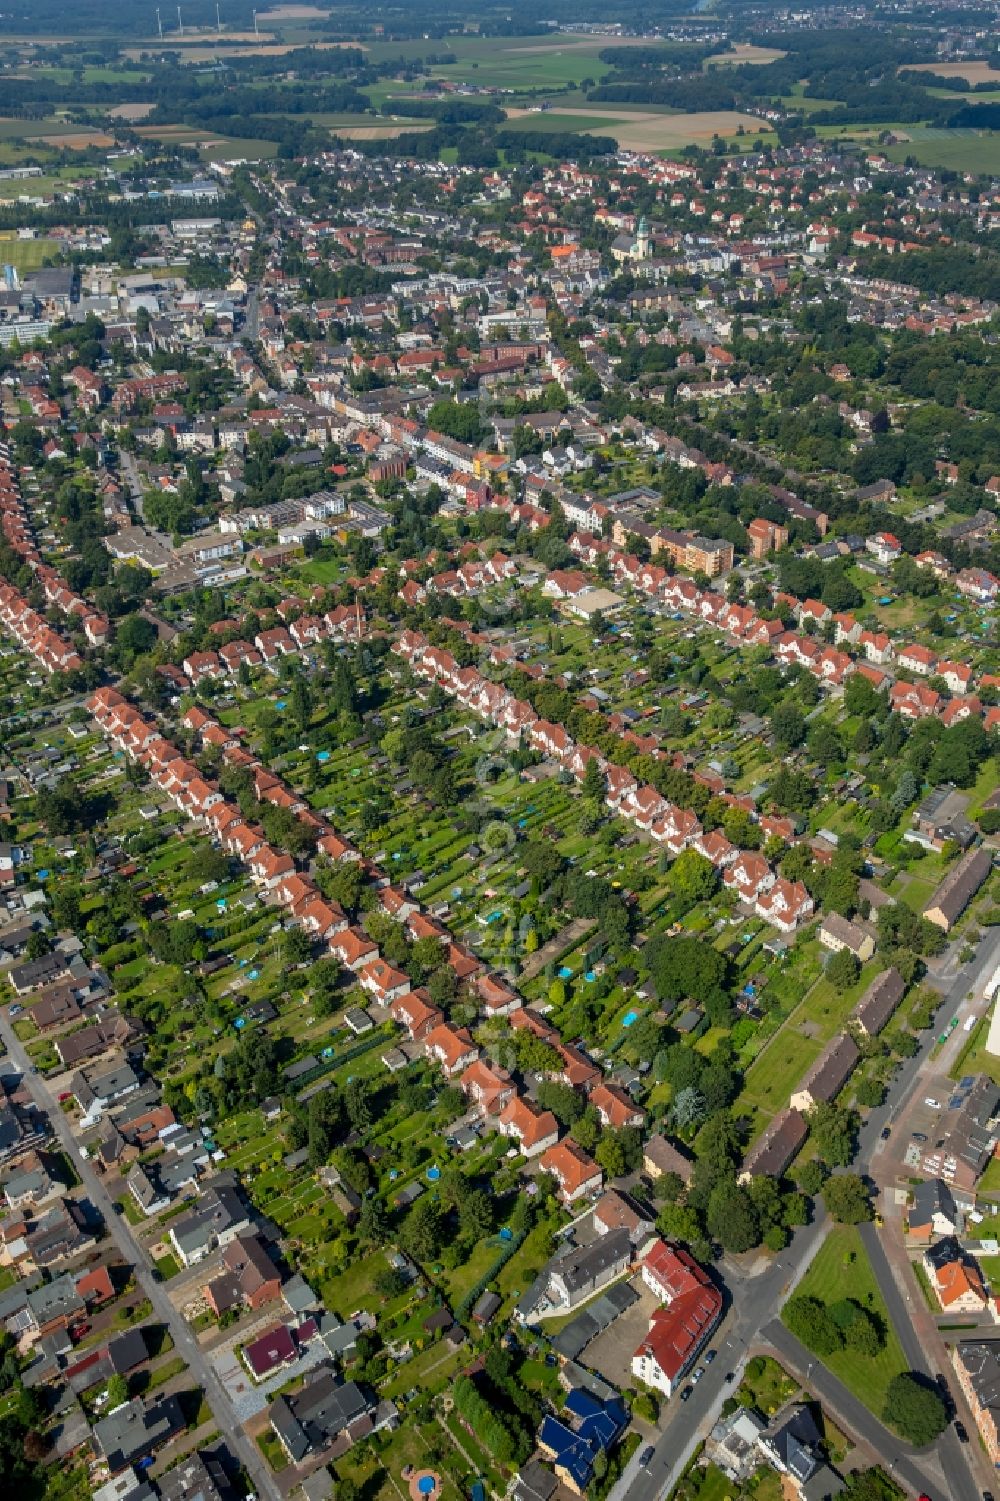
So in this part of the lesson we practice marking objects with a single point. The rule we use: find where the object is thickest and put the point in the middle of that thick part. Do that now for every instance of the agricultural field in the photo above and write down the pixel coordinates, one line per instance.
(637, 129)
(956, 150)
(969, 72)
(744, 52)
(512, 64)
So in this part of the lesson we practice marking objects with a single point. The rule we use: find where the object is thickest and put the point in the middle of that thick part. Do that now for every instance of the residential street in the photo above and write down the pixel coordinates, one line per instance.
(755, 1300)
(135, 1254)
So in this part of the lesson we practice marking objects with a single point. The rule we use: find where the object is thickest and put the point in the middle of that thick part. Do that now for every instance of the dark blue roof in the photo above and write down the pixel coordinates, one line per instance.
(600, 1425)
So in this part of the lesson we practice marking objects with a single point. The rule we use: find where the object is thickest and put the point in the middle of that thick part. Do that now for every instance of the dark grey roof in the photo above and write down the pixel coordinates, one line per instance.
(534, 1482)
(930, 1198)
(313, 1417)
(980, 1359)
(594, 1319)
(796, 1439)
(960, 885)
(777, 1145)
(197, 1477)
(584, 1263)
(879, 1001)
(832, 1069)
(134, 1430)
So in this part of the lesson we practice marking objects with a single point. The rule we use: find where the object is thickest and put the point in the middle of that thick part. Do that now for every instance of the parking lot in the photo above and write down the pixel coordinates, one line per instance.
(610, 1354)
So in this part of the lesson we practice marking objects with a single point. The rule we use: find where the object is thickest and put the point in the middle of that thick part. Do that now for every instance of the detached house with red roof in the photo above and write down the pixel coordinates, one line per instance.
(487, 1087)
(383, 982)
(884, 547)
(533, 1130)
(576, 1174)
(615, 1107)
(450, 1047)
(785, 905)
(415, 1012)
(917, 659)
(691, 1309)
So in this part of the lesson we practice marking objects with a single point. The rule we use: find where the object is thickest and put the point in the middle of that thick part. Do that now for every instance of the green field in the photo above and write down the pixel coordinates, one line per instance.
(957, 150)
(773, 1078)
(515, 63)
(842, 1270)
(15, 129)
(25, 255)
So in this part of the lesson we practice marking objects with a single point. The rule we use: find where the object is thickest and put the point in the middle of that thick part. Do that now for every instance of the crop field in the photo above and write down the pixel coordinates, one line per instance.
(744, 52)
(957, 150)
(211, 147)
(137, 111)
(205, 50)
(971, 72)
(641, 129)
(74, 139)
(512, 63)
(48, 127)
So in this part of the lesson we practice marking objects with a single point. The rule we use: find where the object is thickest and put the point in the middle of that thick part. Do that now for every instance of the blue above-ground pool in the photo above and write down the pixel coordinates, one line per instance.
(564, 971)
(433, 1174)
(322, 756)
(629, 1018)
(506, 1233)
(427, 1485)
(589, 976)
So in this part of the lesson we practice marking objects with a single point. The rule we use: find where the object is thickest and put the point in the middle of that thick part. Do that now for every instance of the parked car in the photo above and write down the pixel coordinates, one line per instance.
(710, 1357)
(885, 1133)
(932, 1103)
(918, 1136)
(686, 1393)
(961, 1432)
(646, 1455)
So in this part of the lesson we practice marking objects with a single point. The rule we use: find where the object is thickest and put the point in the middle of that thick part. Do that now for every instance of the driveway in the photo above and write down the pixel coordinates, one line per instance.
(610, 1354)
(248, 1398)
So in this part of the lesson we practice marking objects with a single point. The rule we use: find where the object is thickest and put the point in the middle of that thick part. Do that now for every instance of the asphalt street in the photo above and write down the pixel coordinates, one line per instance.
(755, 1300)
(136, 1256)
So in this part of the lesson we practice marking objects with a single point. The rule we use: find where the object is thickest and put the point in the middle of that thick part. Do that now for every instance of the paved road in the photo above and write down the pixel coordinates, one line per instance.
(956, 1465)
(251, 320)
(756, 1299)
(130, 474)
(137, 1256)
(918, 1472)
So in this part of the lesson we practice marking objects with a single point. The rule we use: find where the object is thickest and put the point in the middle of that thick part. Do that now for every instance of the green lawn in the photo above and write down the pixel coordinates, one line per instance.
(25, 255)
(842, 1270)
(772, 1079)
(974, 1059)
